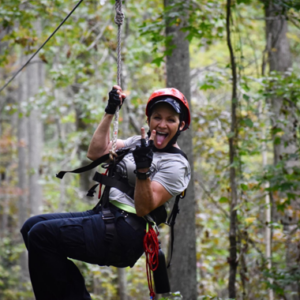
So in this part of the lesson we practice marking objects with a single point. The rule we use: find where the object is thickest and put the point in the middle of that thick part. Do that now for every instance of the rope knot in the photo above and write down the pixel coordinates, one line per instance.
(119, 14)
(112, 154)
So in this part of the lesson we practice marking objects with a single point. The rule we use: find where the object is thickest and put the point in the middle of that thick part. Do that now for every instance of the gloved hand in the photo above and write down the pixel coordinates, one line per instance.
(113, 102)
(143, 155)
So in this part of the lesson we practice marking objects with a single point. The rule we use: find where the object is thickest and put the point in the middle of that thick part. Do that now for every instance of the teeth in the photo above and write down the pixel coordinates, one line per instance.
(163, 133)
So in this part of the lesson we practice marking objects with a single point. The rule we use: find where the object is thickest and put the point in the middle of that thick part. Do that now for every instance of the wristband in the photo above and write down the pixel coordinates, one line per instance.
(141, 175)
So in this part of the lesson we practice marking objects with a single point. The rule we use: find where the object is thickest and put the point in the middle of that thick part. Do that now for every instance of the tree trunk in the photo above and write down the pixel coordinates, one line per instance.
(279, 60)
(232, 156)
(122, 279)
(22, 168)
(183, 267)
(122, 283)
(4, 230)
(268, 212)
(85, 178)
(35, 79)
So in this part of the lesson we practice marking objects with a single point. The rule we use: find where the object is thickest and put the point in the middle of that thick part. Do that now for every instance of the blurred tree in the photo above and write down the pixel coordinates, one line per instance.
(284, 124)
(233, 139)
(35, 75)
(22, 133)
(183, 267)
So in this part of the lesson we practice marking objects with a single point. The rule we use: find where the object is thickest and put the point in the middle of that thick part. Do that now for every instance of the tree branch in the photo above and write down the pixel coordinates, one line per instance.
(214, 201)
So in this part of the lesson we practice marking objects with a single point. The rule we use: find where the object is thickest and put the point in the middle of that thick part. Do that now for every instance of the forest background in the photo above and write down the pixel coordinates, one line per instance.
(244, 84)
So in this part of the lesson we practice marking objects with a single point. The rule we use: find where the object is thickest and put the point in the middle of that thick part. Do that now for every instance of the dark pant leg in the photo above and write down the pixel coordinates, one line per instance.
(44, 217)
(52, 238)
(50, 241)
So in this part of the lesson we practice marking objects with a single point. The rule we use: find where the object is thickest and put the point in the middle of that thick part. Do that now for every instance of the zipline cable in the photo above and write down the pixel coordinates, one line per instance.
(36, 52)
(119, 21)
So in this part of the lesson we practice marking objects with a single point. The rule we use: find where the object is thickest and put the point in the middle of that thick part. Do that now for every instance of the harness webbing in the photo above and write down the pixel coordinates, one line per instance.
(113, 182)
(121, 153)
(171, 222)
(107, 216)
(116, 182)
(173, 150)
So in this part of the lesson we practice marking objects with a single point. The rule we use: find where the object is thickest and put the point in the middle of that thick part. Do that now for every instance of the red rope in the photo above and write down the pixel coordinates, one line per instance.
(151, 247)
(100, 185)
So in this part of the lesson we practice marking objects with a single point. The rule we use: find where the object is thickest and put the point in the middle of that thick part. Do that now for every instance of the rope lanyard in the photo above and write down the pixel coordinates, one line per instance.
(119, 21)
(151, 248)
(37, 51)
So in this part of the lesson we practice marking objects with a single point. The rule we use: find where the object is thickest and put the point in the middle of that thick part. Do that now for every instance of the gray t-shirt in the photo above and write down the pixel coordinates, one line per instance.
(171, 170)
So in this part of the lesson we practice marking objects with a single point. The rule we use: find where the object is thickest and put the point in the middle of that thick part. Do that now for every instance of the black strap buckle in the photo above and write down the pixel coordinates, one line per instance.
(125, 214)
(108, 217)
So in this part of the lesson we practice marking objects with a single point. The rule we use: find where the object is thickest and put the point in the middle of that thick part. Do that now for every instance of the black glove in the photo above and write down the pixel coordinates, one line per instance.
(143, 155)
(113, 102)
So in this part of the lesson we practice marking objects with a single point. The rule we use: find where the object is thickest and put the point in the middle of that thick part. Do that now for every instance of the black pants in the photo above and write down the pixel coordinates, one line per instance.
(53, 238)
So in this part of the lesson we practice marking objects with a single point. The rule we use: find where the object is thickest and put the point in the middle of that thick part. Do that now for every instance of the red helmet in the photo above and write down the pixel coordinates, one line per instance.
(174, 93)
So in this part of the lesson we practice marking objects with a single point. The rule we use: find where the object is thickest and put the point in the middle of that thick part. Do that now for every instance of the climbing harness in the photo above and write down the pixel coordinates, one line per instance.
(171, 221)
(154, 255)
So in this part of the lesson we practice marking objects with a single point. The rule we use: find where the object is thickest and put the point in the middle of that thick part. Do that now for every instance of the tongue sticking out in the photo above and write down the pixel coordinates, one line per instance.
(160, 139)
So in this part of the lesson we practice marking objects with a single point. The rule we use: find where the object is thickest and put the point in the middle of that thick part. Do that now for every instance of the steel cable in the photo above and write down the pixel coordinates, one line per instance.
(36, 52)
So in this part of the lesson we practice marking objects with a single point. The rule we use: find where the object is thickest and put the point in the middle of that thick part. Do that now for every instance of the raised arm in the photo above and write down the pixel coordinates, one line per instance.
(100, 143)
(148, 194)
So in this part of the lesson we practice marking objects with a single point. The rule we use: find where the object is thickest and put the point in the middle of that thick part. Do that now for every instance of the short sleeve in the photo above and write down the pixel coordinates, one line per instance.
(132, 141)
(173, 173)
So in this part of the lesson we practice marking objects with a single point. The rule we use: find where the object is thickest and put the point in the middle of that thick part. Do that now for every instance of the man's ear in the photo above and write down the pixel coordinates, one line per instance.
(182, 125)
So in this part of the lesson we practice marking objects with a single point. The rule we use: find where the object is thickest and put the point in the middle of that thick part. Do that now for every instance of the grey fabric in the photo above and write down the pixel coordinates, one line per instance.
(172, 171)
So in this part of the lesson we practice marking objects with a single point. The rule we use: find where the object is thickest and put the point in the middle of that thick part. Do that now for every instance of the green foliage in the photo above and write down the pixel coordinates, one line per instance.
(10, 286)
(205, 22)
(280, 279)
(212, 297)
(78, 76)
(288, 4)
(173, 296)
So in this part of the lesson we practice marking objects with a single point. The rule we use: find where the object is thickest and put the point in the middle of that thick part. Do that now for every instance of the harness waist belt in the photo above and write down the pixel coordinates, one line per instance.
(134, 221)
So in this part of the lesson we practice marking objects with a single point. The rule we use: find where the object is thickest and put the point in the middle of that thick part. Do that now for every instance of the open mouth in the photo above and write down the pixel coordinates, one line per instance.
(160, 137)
